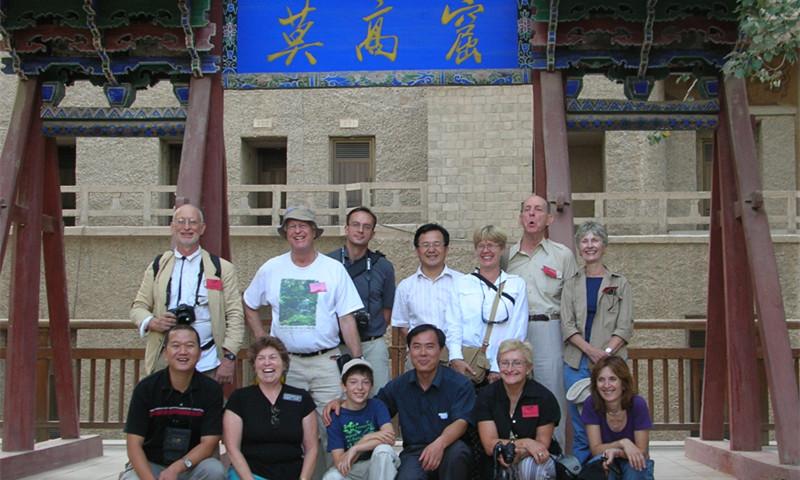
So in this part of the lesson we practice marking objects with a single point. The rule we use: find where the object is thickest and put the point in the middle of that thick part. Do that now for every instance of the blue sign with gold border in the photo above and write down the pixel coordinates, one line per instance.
(327, 43)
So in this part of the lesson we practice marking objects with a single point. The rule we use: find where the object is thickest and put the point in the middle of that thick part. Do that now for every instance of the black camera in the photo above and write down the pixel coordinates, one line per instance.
(362, 320)
(506, 452)
(184, 314)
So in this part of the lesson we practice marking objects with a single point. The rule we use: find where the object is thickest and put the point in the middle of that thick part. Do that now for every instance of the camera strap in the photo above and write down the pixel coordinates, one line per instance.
(197, 288)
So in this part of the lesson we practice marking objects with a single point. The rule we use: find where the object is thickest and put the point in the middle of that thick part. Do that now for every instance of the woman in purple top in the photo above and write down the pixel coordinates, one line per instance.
(618, 422)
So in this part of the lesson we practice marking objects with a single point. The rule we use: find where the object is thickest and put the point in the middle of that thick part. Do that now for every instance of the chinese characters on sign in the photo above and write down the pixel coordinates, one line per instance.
(295, 41)
(373, 43)
(466, 43)
(376, 35)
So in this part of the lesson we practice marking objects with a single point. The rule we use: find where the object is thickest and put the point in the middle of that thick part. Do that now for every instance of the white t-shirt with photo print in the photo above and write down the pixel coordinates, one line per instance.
(306, 301)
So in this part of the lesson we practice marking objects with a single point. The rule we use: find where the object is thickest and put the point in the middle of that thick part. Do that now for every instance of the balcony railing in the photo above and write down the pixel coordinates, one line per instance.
(112, 208)
(669, 378)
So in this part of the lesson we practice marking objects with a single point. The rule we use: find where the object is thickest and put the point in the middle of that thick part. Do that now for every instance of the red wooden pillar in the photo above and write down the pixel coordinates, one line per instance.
(20, 385)
(190, 174)
(554, 131)
(539, 168)
(744, 413)
(215, 184)
(761, 257)
(715, 376)
(214, 194)
(57, 300)
(13, 153)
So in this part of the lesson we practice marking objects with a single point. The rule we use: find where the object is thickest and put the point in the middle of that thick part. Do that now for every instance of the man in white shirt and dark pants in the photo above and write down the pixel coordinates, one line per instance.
(425, 297)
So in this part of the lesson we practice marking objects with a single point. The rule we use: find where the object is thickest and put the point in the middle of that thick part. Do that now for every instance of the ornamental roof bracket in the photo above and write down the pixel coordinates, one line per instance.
(16, 63)
(185, 8)
(552, 28)
(647, 43)
(97, 41)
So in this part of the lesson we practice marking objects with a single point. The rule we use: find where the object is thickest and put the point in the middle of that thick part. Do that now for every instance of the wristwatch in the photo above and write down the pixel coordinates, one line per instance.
(229, 355)
(187, 463)
(609, 350)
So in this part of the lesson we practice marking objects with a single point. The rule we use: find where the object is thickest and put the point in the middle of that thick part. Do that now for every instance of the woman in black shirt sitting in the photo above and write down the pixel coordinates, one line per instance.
(521, 411)
(270, 429)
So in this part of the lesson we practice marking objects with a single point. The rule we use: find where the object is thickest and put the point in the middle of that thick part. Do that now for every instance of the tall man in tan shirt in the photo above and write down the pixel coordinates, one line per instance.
(544, 264)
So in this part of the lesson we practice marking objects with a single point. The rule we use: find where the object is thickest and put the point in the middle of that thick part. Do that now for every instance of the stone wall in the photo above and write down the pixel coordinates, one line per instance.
(479, 156)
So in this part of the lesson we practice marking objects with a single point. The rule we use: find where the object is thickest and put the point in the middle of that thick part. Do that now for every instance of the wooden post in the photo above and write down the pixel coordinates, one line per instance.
(539, 167)
(190, 174)
(20, 386)
(13, 153)
(57, 300)
(744, 414)
(714, 377)
(554, 129)
(763, 266)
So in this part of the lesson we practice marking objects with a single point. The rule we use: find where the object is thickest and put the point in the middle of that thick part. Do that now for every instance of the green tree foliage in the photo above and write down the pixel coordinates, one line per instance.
(771, 36)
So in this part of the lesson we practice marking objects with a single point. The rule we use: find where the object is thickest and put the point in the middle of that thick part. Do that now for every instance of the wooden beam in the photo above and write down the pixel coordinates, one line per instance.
(714, 374)
(13, 151)
(190, 174)
(539, 167)
(20, 385)
(554, 128)
(744, 412)
(214, 179)
(57, 300)
(763, 266)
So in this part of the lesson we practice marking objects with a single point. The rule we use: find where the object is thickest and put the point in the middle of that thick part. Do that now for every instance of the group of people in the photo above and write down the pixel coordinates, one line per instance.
(491, 357)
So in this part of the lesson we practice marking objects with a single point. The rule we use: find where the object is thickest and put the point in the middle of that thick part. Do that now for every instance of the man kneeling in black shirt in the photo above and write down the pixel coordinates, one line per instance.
(175, 417)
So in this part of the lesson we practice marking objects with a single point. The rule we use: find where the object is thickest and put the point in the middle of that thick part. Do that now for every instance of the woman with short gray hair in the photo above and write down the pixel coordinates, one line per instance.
(596, 319)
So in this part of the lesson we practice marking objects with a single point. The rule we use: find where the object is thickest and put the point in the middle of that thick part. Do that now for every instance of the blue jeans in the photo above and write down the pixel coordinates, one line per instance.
(580, 443)
(628, 472)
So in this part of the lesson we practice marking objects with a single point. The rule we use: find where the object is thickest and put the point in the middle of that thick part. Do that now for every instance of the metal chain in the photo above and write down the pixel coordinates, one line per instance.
(647, 44)
(16, 62)
(97, 41)
(184, 7)
(552, 27)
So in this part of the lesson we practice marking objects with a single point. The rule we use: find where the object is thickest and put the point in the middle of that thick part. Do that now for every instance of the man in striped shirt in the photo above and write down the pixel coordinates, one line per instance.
(427, 295)
(175, 417)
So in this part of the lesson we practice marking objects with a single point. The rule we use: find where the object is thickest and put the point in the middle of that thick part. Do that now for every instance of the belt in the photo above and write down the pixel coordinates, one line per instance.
(207, 345)
(313, 354)
(540, 317)
(369, 339)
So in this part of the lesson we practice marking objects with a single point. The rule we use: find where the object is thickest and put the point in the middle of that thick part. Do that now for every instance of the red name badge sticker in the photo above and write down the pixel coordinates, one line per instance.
(213, 284)
(551, 272)
(530, 411)
(317, 287)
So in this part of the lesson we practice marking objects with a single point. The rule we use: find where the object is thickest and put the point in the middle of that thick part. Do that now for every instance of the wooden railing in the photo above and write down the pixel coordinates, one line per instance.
(666, 212)
(150, 205)
(669, 378)
(124, 206)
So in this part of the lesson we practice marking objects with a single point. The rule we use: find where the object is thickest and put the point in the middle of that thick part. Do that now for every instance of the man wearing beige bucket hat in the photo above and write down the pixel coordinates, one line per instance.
(312, 299)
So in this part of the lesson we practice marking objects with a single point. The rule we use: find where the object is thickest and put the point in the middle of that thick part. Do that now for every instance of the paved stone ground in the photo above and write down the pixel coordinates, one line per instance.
(671, 464)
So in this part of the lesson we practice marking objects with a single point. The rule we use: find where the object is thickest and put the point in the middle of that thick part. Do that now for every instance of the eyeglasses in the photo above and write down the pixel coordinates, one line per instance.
(512, 363)
(273, 418)
(186, 221)
(427, 245)
(487, 246)
(366, 226)
(483, 304)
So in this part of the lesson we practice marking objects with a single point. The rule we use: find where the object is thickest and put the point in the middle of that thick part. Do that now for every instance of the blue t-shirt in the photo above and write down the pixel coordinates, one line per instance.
(347, 428)
(638, 419)
(592, 289)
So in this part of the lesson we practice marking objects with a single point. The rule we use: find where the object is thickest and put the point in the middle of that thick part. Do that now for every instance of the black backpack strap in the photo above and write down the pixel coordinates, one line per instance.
(493, 287)
(157, 264)
(217, 264)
